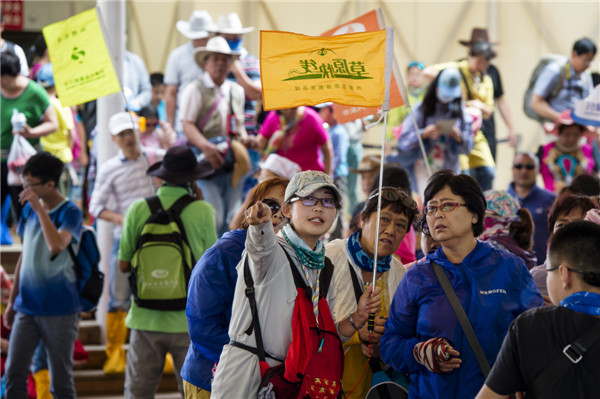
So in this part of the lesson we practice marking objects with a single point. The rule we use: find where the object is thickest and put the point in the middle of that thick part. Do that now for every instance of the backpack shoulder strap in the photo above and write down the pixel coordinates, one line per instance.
(355, 283)
(181, 203)
(298, 280)
(325, 277)
(467, 86)
(154, 204)
(250, 294)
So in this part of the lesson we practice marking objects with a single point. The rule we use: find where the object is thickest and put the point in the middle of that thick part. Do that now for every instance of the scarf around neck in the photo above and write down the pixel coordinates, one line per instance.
(584, 302)
(361, 258)
(309, 258)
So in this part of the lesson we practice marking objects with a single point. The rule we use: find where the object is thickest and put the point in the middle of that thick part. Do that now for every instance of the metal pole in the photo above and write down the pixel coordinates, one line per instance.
(112, 15)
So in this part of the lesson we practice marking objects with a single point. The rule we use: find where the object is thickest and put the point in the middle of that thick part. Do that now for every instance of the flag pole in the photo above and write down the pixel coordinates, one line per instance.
(385, 107)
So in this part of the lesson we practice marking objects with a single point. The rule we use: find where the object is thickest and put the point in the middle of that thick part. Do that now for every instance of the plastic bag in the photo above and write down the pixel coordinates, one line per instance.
(20, 151)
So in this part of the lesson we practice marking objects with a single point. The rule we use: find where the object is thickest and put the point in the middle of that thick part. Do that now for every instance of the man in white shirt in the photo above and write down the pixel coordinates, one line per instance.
(181, 68)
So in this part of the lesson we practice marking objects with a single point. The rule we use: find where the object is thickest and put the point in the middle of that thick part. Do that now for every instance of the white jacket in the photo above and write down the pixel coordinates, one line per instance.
(238, 375)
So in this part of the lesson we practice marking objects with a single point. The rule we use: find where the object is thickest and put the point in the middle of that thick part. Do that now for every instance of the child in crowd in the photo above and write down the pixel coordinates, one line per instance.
(158, 95)
(155, 133)
(567, 157)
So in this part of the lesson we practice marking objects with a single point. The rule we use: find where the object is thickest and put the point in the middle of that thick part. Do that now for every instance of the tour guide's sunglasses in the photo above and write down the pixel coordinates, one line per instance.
(393, 194)
(309, 200)
(528, 166)
(272, 204)
(444, 207)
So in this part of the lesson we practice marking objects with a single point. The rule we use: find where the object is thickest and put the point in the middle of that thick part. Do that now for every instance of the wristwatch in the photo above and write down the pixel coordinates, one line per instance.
(354, 324)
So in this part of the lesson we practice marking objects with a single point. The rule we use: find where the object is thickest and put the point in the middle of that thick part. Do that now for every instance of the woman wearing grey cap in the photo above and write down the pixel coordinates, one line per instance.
(311, 205)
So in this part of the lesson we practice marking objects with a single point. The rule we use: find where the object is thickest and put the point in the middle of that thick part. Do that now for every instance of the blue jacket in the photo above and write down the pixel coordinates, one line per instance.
(208, 310)
(494, 287)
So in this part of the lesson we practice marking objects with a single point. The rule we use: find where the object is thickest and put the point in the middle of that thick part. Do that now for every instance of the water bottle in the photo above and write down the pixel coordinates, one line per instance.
(18, 120)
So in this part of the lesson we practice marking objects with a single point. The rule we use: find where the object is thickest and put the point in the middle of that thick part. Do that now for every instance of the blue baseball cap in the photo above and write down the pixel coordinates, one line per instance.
(449, 85)
(45, 76)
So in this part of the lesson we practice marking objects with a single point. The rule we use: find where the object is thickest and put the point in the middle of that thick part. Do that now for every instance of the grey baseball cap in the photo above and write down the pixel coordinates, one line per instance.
(306, 183)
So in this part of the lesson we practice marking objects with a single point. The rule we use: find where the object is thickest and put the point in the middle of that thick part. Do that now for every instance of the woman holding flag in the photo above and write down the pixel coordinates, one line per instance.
(354, 268)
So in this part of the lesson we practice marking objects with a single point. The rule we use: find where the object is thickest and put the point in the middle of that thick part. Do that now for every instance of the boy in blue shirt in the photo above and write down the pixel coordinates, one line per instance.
(44, 301)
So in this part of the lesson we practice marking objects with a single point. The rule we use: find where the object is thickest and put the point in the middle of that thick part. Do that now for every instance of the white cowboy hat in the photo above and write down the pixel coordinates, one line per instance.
(197, 27)
(230, 23)
(215, 45)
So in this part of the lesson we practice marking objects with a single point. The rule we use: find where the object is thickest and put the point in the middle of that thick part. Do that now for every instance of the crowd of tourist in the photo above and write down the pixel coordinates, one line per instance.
(277, 280)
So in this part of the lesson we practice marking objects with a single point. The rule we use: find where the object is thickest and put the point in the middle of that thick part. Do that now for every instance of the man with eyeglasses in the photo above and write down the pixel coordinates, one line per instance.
(545, 337)
(536, 199)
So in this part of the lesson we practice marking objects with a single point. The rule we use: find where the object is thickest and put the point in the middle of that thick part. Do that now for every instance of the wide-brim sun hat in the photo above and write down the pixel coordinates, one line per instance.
(180, 166)
(230, 24)
(216, 45)
(306, 183)
(120, 122)
(197, 27)
(449, 84)
(477, 35)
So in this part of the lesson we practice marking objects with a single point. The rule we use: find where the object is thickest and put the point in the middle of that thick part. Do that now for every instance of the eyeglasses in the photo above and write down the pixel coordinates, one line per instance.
(417, 64)
(312, 201)
(445, 207)
(272, 204)
(553, 268)
(528, 166)
(393, 194)
(28, 184)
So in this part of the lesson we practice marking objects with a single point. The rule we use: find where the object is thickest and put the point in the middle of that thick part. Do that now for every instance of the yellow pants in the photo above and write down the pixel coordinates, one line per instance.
(193, 392)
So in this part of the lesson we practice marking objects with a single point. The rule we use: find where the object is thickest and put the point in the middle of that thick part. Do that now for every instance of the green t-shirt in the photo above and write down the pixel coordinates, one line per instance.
(199, 224)
(33, 102)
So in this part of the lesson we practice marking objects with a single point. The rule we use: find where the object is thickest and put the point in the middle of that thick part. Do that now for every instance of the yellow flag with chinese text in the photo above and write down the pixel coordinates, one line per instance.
(82, 66)
(305, 70)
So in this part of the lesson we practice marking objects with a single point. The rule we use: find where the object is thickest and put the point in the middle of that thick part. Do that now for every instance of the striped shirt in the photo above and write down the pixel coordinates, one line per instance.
(119, 183)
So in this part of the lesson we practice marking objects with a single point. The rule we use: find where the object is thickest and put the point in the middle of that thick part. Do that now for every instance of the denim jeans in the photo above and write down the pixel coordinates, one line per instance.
(58, 333)
(225, 199)
(120, 292)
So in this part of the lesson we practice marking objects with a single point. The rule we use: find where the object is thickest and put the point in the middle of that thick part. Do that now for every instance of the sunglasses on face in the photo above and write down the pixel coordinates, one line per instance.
(444, 207)
(312, 201)
(272, 204)
(528, 166)
(393, 194)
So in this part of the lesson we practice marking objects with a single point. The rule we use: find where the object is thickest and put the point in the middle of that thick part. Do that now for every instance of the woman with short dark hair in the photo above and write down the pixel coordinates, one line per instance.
(423, 337)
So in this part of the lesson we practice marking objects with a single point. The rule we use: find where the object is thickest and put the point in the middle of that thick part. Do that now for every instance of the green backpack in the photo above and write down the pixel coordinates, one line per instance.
(163, 260)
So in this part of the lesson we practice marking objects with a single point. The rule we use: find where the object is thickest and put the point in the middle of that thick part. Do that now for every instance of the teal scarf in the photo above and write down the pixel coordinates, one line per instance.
(309, 258)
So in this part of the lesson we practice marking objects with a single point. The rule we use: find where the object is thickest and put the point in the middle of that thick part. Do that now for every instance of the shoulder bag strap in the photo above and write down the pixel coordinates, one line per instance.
(462, 318)
(355, 283)
(573, 354)
(211, 111)
(467, 86)
(325, 277)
